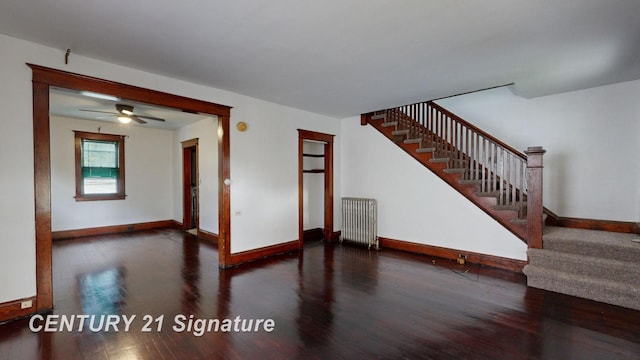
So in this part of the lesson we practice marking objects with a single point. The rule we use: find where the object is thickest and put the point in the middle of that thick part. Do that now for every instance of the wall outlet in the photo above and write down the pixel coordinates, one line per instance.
(26, 304)
(461, 259)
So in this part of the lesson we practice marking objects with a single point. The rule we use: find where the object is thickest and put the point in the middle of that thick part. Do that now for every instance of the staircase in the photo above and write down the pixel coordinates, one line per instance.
(485, 170)
(507, 185)
(592, 264)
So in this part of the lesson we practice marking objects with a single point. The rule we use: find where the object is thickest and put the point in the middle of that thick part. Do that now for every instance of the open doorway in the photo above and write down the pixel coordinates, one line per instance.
(315, 158)
(43, 79)
(190, 186)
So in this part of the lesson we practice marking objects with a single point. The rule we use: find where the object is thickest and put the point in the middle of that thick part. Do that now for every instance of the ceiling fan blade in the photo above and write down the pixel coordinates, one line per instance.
(98, 111)
(149, 117)
(137, 119)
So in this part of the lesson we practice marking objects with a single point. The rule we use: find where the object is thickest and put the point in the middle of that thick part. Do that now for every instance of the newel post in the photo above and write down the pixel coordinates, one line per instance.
(534, 196)
(364, 119)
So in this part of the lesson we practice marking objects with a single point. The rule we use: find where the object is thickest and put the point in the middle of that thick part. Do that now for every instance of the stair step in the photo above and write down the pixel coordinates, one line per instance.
(487, 193)
(593, 243)
(470, 182)
(425, 149)
(603, 290)
(515, 207)
(614, 270)
(444, 158)
(400, 132)
(413, 141)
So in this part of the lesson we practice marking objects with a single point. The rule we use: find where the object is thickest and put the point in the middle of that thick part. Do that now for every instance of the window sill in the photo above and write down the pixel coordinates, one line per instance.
(100, 197)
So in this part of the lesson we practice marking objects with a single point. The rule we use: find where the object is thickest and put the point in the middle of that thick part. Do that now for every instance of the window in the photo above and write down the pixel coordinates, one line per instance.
(99, 166)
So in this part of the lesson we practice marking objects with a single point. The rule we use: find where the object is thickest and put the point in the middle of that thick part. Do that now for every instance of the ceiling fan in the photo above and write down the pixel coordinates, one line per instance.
(125, 114)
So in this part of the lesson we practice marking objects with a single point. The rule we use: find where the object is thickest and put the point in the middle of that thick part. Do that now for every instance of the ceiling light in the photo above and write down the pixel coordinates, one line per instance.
(124, 109)
(124, 119)
(99, 96)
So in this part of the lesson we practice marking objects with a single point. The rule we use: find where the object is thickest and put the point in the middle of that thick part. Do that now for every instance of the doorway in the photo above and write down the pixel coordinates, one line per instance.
(324, 142)
(190, 187)
(43, 79)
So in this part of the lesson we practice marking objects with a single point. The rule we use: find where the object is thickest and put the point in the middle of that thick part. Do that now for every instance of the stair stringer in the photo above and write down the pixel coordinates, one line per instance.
(506, 217)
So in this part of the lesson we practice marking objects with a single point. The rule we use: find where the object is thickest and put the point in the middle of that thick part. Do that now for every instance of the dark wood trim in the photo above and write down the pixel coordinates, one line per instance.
(314, 234)
(42, 195)
(313, 155)
(189, 143)
(328, 187)
(186, 179)
(224, 191)
(469, 191)
(364, 119)
(80, 196)
(300, 191)
(13, 309)
(327, 139)
(452, 254)
(208, 236)
(43, 78)
(592, 224)
(535, 209)
(264, 252)
(315, 136)
(81, 82)
(313, 171)
(114, 229)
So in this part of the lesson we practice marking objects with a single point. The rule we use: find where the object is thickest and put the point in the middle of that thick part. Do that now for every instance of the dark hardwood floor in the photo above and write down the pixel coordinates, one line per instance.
(328, 302)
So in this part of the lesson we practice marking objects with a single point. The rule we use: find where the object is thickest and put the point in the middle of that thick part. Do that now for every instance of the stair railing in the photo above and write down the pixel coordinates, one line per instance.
(497, 168)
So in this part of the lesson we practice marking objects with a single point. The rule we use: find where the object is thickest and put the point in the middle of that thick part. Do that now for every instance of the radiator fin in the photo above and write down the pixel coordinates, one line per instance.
(360, 221)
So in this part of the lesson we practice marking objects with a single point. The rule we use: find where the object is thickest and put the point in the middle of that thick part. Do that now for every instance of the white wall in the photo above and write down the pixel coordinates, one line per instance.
(263, 159)
(313, 187)
(592, 137)
(264, 172)
(207, 133)
(148, 179)
(414, 204)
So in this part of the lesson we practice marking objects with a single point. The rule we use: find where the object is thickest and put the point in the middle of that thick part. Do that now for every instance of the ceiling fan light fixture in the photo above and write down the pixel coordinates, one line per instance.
(124, 109)
(124, 119)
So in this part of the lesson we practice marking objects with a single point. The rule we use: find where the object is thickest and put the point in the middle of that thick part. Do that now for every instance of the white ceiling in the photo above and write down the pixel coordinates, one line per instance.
(346, 57)
(69, 103)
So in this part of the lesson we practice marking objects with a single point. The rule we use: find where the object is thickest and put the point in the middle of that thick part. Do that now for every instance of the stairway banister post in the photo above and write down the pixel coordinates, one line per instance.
(364, 119)
(534, 196)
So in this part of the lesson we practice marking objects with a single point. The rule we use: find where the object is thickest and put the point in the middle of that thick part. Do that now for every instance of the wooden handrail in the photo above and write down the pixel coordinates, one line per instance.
(477, 129)
(496, 168)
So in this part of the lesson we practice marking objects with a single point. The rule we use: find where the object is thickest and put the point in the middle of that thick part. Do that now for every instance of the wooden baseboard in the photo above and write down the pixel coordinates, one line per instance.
(208, 236)
(13, 309)
(103, 230)
(452, 254)
(313, 234)
(261, 253)
(593, 224)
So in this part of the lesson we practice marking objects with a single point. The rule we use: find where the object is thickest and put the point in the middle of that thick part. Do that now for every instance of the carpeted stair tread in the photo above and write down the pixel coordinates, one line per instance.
(592, 243)
(603, 290)
(614, 270)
